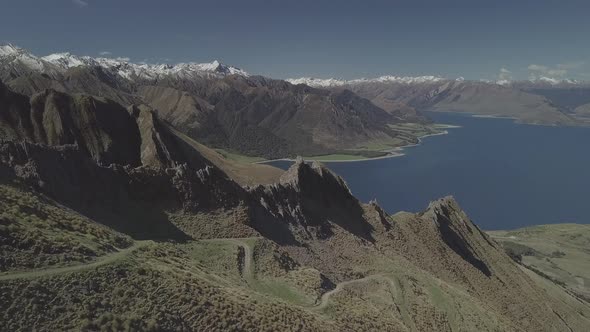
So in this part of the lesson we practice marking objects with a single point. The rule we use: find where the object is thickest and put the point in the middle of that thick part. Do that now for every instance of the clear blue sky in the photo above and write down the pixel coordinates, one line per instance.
(345, 39)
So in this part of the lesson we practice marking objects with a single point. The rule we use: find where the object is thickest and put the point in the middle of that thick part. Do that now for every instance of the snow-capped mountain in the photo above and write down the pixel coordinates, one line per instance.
(20, 60)
(331, 82)
(555, 81)
(414, 80)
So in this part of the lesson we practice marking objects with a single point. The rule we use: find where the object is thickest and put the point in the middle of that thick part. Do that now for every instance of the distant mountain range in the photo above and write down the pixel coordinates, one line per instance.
(544, 101)
(23, 61)
(223, 106)
(333, 82)
(226, 108)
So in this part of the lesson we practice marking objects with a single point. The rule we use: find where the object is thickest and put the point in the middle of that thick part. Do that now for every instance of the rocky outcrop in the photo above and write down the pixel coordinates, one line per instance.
(122, 167)
(443, 241)
(158, 146)
(310, 201)
(101, 128)
(131, 200)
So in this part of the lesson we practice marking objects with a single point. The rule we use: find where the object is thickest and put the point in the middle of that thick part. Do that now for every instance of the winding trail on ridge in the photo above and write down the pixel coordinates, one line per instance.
(249, 275)
(247, 264)
(248, 259)
(340, 286)
(100, 261)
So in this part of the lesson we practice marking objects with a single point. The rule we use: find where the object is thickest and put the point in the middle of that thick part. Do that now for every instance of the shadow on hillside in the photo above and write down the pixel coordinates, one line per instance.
(132, 202)
(460, 245)
(345, 212)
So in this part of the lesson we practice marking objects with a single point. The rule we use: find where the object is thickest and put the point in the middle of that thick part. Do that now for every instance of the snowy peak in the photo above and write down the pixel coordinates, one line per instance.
(6, 50)
(317, 82)
(542, 82)
(60, 62)
(554, 81)
(331, 82)
(65, 60)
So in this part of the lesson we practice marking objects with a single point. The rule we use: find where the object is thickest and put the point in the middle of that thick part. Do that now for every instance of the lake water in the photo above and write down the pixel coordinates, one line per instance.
(505, 175)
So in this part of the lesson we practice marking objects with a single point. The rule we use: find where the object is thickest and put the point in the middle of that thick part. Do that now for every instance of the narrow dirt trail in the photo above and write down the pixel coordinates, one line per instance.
(340, 286)
(248, 272)
(102, 260)
(248, 263)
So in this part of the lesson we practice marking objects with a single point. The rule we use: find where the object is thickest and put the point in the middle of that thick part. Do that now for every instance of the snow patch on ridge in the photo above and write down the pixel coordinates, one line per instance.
(9, 49)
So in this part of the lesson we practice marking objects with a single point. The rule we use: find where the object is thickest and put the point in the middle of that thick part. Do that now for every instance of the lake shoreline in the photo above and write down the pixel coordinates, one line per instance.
(393, 153)
(524, 174)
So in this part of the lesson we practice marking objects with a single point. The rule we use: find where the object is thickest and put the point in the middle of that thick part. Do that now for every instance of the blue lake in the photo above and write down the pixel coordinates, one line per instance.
(505, 175)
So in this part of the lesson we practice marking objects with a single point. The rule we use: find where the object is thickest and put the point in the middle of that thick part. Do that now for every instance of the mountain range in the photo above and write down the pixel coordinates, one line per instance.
(226, 108)
(543, 101)
(220, 105)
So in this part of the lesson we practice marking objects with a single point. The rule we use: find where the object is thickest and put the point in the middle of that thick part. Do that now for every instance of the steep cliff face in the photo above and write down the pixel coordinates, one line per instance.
(443, 241)
(158, 146)
(132, 200)
(121, 166)
(100, 127)
(308, 202)
(13, 106)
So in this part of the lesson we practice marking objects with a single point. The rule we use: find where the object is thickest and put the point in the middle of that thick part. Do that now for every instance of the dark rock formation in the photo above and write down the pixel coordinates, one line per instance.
(101, 128)
(311, 201)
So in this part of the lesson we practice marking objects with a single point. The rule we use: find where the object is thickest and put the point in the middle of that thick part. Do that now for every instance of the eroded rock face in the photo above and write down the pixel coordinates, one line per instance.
(122, 167)
(101, 128)
(128, 199)
(459, 233)
(158, 148)
(310, 200)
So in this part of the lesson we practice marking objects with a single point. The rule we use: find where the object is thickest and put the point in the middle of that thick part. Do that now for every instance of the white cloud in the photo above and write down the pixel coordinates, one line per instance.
(80, 3)
(558, 72)
(104, 53)
(534, 67)
(124, 59)
(504, 75)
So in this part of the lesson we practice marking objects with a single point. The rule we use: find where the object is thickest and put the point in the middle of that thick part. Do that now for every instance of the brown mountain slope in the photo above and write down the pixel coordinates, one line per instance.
(243, 173)
(583, 111)
(271, 118)
(467, 96)
(437, 270)
(63, 143)
(98, 126)
(558, 252)
(250, 115)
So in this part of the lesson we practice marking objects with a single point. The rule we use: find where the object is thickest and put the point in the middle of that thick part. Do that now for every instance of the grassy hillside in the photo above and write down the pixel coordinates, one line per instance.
(236, 284)
(559, 252)
(36, 232)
